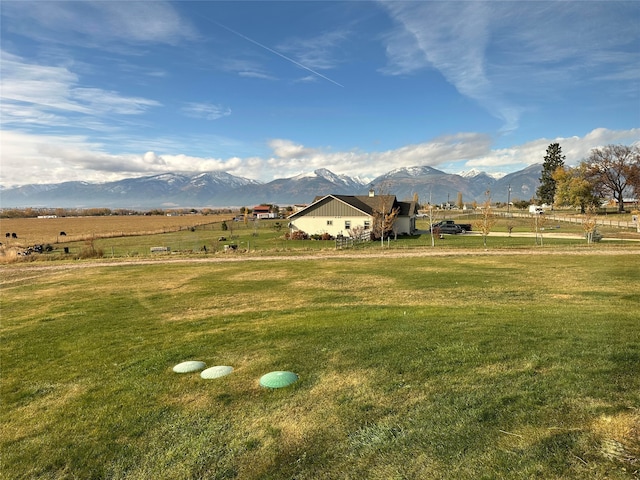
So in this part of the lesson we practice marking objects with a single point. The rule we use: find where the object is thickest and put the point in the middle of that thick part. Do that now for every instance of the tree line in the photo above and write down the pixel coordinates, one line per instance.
(609, 172)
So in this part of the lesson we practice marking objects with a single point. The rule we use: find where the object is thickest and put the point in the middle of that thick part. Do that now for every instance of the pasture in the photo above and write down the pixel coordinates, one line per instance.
(77, 229)
(135, 236)
(516, 365)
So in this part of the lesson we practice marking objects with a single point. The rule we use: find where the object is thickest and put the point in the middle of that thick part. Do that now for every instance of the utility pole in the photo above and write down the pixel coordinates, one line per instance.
(433, 244)
(509, 200)
(382, 224)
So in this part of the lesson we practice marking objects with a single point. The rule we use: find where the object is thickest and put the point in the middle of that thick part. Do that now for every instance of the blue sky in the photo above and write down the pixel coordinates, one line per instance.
(99, 91)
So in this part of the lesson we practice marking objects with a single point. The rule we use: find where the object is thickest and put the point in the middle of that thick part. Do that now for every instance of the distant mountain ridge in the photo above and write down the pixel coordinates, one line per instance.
(221, 189)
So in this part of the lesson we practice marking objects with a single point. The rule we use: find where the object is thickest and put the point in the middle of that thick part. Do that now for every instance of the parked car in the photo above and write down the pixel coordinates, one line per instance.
(448, 228)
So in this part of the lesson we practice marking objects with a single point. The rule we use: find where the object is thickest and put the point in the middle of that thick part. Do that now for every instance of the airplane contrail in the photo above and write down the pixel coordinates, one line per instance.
(276, 53)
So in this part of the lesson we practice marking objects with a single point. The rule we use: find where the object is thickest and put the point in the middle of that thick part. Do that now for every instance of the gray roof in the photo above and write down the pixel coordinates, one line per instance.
(366, 204)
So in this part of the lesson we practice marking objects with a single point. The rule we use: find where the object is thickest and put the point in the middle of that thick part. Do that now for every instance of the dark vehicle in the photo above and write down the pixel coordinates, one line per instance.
(441, 228)
(450, 227)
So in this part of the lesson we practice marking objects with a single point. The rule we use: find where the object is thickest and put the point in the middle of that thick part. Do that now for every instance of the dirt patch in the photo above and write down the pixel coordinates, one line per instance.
(620, 436)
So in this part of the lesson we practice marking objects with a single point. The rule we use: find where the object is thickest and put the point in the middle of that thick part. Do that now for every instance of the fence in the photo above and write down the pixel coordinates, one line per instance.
(351, 242)
(606, 222)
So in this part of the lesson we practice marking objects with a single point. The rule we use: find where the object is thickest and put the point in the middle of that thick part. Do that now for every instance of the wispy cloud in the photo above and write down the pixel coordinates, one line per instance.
(254, 74)
(275, 52)
(509, 55)
(319, 52)
(49, 95)
(98, 22)
(208, 111)
(245, 68)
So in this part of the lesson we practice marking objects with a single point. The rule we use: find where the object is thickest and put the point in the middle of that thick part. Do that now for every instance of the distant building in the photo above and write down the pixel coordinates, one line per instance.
(262, 211)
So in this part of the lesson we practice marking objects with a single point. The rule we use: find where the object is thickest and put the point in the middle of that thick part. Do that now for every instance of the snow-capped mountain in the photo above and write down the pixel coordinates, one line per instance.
(470, 173)
(221, 189)
(324, 174)
(440, 187)
(474, 172)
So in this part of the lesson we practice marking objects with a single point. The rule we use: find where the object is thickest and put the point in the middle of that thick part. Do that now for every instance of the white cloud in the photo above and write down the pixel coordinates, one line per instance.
(574, 148)
(28, 158)
(293, 159)
(287, 150)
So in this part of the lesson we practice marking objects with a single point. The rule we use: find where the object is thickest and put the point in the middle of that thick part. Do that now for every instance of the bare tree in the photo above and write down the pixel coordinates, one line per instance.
(384, 214)
(487, 219)
(614, 170)
(431, 222)
(589, 224)
(356, 232)
(432, 219)
(538, 223)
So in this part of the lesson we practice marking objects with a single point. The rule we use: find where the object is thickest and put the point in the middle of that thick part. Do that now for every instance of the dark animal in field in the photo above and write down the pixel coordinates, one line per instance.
(14, 235)
(35, 249)
(63, 234)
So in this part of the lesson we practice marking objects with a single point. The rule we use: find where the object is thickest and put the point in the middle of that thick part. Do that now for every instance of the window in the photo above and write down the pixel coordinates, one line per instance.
(347, 224)
(329, 222)
(367, 224)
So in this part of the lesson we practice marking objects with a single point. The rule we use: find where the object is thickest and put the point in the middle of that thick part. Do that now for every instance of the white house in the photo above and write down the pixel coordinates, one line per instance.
(338, 214)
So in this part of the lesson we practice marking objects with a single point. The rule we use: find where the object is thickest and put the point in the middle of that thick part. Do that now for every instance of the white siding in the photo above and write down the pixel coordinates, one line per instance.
(318, 225)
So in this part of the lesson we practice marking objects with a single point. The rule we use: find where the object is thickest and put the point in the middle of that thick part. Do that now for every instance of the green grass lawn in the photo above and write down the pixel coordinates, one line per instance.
(263, 238)
(461, 367)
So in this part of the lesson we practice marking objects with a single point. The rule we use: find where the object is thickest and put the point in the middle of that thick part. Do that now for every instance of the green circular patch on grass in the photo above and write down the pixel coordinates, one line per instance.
(278, 379)
(188, 367)
(216, 372)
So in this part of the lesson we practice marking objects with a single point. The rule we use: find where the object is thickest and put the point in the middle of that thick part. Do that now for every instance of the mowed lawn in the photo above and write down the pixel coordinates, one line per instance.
(504, 366)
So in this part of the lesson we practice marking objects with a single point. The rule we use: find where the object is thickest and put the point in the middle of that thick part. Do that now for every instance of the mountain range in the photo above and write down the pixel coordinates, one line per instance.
(221, 189)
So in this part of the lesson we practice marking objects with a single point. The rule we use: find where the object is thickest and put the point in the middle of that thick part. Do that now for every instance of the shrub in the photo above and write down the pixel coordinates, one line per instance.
(90, 251)
(321, 236)
(297, 235)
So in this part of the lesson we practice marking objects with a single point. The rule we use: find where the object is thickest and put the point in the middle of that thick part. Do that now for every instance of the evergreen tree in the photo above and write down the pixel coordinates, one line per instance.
(552, 161)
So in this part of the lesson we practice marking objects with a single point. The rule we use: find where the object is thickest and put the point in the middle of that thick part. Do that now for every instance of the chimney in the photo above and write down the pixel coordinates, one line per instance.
(372, 193)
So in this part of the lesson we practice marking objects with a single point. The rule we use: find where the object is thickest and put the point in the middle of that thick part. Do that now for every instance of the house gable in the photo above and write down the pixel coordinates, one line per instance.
(332, 206)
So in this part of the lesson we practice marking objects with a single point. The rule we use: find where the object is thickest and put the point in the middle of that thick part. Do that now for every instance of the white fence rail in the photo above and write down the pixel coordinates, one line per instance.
(571, 219)
(350, 242)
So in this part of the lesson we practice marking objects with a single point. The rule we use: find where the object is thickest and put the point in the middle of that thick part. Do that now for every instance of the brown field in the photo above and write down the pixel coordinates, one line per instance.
(31, 231)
